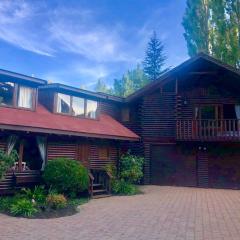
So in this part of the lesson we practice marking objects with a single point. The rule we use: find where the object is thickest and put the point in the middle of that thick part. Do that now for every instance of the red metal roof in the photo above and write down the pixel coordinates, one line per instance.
(44, 121)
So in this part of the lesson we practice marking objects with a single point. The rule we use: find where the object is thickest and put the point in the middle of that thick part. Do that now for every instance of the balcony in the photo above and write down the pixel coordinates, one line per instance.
(208, 130)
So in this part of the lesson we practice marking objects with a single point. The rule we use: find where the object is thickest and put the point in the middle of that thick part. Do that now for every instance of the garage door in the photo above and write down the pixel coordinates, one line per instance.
(224, 167)
(170, 165)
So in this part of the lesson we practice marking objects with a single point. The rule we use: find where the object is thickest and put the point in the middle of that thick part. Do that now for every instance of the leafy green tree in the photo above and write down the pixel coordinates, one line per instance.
(101, 86)
(233, 23)
(130, 82)
(155, 58)
(138, 77)
(196, 25)
(213, 27)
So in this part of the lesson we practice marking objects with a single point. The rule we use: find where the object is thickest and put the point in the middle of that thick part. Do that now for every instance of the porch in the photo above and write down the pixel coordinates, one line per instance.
(208, 130)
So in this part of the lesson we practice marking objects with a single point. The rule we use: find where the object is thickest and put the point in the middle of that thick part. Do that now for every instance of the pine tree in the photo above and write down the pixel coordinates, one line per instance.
(155, 58)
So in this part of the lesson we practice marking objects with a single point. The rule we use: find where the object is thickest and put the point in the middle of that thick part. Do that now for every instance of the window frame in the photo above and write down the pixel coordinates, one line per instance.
(125, 114)
(104, 147)
(70, 113)
(16, 94)
(218, 109)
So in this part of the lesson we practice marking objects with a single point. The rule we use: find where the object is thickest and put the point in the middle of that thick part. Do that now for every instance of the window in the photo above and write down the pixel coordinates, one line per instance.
(15, 95)
(6, 93)
(91, 109)
(63, 103)
(103, 153)
(210, 112)
(25, 97)
(125, 114)
(77, 106)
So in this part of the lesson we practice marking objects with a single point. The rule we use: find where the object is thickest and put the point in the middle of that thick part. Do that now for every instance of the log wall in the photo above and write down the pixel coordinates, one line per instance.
(86, 152)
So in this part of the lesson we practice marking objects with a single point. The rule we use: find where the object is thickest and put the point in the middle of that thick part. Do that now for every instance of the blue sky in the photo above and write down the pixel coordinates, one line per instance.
(78, 41)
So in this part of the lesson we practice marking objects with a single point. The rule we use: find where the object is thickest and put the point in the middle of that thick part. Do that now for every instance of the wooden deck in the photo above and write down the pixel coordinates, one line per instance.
(208, 130)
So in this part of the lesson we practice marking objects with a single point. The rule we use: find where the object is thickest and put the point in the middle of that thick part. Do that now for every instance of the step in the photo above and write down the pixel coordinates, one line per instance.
(99, 191)
(97, 185)
(101, 196)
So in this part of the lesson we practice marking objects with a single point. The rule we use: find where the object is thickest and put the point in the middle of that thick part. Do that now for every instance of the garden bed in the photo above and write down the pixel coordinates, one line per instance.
(37, 203)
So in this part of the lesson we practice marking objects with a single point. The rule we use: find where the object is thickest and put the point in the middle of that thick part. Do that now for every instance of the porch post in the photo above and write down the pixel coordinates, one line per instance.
(20, 160)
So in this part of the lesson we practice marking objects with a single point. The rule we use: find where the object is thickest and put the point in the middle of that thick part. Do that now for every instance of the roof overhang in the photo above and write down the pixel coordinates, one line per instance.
(62, 132)
(11, 76)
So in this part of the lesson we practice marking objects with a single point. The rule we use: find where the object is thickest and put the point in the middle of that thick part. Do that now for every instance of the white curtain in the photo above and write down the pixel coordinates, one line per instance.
(12, 139)
(42, 147)
(25, 97)
(237, 110)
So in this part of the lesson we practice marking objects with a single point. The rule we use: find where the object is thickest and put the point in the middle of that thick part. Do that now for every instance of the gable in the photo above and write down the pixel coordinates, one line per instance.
(200, 65)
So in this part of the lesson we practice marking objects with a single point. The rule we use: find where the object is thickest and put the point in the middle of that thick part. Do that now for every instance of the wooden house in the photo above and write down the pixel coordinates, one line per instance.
(45, 121)
(189, 124)
(186, 125)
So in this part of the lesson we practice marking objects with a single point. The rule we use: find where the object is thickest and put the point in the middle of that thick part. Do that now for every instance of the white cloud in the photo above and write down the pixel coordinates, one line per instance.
(36, 28)
(17, 27)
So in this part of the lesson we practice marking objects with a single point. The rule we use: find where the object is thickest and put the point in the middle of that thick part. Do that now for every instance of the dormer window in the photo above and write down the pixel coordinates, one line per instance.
(91, 109)
(25, 97)
(63, 103)
(6, 93)
(76, 106)
(16, 95)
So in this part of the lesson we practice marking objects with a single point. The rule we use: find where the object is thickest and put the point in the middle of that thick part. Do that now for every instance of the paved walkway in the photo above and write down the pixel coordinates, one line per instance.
(169, 213)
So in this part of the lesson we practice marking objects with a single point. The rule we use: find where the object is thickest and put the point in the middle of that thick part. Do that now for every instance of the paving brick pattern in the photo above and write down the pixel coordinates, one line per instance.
(168, 213)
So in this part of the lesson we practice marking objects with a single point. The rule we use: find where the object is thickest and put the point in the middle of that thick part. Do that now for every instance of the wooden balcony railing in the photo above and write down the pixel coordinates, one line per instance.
(206, 129)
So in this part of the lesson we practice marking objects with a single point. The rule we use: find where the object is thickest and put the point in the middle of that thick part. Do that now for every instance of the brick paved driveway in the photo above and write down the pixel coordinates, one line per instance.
(170, 213)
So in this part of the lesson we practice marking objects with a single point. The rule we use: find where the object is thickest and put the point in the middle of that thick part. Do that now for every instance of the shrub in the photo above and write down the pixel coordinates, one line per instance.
(124, 188)
(131, 168)
(111, 169)
(7, 161)
(6, 203)
(66, 176)
(38, 193)
(23, 207)
(56, 201)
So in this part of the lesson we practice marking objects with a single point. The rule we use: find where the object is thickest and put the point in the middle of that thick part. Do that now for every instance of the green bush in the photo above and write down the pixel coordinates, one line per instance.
(6, 203)
(122, 187)
(66, 176)
(56, 201)
(131, 168)
(23, 207)
(7, 161)
(111, 169)
(37, 194)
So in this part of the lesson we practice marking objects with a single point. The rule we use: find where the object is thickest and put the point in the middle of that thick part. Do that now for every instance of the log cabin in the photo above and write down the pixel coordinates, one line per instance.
(189, 124)
(186, 125)
(46, 121)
